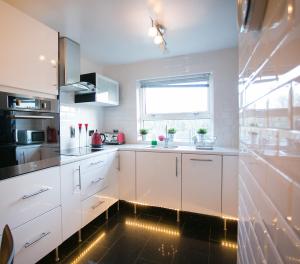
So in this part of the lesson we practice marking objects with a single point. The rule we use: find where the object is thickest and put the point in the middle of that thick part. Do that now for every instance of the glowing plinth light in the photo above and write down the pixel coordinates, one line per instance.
(158, 39)
(152, 32)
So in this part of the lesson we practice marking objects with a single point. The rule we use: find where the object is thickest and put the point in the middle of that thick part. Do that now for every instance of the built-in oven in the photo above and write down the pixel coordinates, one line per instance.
(29, 134)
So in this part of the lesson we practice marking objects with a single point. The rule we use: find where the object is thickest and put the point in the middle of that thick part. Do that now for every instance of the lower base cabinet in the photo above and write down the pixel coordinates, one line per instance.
(37, 238)
(201, 184)
(158, 178)
(94, 206)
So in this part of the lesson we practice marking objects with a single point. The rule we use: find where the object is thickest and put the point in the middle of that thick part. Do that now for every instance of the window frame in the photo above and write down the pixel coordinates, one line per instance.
(176, 116)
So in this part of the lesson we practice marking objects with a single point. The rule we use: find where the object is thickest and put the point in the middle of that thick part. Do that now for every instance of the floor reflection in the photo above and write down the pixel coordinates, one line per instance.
(151, 236)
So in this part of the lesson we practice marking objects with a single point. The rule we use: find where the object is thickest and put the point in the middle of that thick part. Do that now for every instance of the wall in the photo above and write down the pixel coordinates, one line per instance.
(72, 114)
(269, 191)
(223, 65)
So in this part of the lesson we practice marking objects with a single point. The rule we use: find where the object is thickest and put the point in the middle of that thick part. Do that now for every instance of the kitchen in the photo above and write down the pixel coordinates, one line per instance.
(149, 131)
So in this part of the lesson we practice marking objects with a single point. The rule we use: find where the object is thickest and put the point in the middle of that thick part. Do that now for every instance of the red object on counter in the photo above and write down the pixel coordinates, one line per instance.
(121, 138)
(86, 126)
(79, 126)
(97, 139)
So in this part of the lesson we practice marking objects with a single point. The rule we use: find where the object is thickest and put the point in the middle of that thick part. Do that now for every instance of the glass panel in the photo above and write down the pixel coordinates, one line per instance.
(185, 129)
(166, 100)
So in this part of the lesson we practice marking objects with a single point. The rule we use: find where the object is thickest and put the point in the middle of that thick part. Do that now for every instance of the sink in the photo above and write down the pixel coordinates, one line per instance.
(162, 147)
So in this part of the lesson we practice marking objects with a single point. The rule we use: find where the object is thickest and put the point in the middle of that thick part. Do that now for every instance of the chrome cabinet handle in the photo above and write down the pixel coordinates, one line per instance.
(176, 167)
(96, 163)
(205, 160)
(35, 193)
(79, 178)
(95, 181)
(28, 244)
(29, 117)
(97, 205)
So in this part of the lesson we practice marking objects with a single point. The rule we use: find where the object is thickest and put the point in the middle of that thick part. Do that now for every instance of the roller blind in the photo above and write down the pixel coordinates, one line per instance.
(190, 81)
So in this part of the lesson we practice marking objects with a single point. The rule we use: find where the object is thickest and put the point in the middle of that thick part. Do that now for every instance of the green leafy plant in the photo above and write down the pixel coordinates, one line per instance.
(143, 131)
(202, 131)
(171, 130)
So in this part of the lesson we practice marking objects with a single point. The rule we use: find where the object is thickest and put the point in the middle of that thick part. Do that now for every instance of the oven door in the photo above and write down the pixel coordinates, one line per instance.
(33, 152)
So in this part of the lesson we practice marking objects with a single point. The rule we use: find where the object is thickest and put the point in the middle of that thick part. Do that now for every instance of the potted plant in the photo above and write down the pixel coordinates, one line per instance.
(144, 132)
(171, 133)
(201, 132)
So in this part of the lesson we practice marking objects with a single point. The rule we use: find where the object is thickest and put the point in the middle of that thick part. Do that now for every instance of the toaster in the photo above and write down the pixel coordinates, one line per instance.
(114, 138)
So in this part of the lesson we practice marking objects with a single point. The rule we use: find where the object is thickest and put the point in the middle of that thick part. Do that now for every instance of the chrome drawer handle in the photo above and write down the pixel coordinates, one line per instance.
(95, 181)
(97, 205)
(28, 244)
(96, 163)
(35, 193)
(206, 160)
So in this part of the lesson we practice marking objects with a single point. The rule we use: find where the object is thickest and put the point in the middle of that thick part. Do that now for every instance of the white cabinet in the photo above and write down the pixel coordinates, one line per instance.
(89, 187)
(94, 175)
(28, 196)
(28, 52)
(70, 199)
(201, 183)
(107, 90)
(127, 175)
(37, 238)
(158, 178)
(230, 186)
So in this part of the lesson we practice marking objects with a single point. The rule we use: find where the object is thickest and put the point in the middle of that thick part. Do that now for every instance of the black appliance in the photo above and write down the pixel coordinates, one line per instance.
(24, 124)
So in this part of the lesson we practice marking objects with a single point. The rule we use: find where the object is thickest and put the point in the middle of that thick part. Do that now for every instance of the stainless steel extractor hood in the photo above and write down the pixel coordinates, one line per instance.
(69, 67)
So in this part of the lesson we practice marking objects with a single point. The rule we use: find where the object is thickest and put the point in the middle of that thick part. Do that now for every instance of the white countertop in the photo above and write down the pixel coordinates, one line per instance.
(144, 147)
(180, 149)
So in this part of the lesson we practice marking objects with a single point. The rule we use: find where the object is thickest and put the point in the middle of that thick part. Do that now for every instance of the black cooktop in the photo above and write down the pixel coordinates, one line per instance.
(79, 151)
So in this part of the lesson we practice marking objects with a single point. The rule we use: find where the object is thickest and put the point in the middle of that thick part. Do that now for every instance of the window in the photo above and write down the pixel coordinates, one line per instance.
(183, 103)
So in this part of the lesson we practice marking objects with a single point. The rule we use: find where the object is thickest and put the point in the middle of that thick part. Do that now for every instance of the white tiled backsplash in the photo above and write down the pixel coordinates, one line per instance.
(72, 114)
(269, 226)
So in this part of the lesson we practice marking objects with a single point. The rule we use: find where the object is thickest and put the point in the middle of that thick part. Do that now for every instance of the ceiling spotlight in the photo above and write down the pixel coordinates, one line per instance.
(152, 32)
(158, 39)
(157, 31)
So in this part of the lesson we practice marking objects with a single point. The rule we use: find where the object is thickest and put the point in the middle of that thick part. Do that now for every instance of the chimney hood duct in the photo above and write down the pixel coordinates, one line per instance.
(69, 67)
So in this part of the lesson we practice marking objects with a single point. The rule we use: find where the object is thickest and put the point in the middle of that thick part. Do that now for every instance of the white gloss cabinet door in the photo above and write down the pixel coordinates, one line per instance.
(158, 178)
(37, 238)
(201, 184)
(28, 196)
(230, 186)
(70, 199)
(127, 175)
(28, 52)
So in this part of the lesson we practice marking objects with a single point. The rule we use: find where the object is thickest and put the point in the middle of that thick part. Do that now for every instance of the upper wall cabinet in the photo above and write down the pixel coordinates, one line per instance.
(106, 90)
(28, 52)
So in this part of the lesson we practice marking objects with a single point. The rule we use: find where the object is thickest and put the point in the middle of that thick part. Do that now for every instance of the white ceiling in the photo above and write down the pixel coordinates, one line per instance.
(115, 31)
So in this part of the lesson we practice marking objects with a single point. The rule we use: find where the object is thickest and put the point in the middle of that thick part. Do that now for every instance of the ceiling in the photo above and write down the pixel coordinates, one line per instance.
(115, 31)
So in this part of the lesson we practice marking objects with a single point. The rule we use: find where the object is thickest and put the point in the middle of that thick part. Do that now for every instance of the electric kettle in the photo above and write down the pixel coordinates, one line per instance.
(97, 139)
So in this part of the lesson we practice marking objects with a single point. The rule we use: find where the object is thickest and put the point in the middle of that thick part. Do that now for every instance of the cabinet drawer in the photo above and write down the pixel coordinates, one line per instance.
(93, 163)
(28, 196)
(93, 207)
(37, 238)
(94, 176)
(201, 184)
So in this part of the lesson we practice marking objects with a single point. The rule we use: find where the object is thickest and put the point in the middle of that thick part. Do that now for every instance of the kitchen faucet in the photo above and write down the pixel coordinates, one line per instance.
(166, 138)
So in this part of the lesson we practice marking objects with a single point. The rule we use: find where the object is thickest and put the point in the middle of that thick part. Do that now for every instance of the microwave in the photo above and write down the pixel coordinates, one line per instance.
(30, 136)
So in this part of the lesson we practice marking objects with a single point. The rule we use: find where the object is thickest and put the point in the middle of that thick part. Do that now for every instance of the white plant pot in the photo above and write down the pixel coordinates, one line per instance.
(144, 137)
(171, 137)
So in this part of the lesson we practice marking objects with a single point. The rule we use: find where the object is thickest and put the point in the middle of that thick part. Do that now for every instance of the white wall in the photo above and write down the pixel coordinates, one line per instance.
(71, 114)
(222, 63)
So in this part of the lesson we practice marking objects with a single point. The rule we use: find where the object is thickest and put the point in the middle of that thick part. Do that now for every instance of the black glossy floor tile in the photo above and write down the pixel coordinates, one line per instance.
(222, 255)
(125, 250)
(152, 236)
